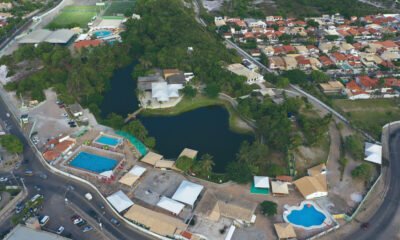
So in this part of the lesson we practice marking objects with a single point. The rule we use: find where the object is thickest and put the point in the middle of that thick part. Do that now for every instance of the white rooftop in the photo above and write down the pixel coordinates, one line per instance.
(373, 153)
(120, 201)
(137, 170)
(162, 91)
(187, 192)
(261, 182)
(21, 232)
(170, 205)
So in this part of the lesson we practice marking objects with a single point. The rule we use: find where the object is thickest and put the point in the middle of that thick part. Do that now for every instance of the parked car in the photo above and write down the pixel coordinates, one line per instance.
(28, 173)
(44, 220)
(81, 223)
(87, 228)
(74, 217)
(37, 188)
(115, 222)
(3, 179)
(60, 230)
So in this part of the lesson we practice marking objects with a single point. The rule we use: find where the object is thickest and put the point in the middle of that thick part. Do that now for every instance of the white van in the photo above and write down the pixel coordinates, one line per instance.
(88, 196)
(43, 221)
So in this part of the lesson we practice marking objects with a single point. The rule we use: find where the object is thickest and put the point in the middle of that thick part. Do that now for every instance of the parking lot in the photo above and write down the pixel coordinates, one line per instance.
(51, 120)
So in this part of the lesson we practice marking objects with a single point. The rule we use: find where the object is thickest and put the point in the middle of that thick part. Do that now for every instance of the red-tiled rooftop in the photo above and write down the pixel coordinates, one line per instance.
(87, 43)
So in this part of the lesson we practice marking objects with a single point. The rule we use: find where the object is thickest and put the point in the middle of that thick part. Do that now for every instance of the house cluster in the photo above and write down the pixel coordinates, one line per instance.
(161, 88)
(5, 7)
(361, 55)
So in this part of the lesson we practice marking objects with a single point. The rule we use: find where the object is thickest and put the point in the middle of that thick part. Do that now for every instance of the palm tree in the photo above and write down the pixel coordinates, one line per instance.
(206, 164)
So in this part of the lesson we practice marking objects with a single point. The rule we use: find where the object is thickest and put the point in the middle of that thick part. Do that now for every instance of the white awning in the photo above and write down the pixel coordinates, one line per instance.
(261, 182)
(137, 170)
(187, 192)
(120, 201)
(373, 153)
(170, 205)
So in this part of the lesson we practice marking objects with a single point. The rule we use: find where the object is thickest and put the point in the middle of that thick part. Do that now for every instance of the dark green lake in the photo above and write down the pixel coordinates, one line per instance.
(205, 129)
(121, 97)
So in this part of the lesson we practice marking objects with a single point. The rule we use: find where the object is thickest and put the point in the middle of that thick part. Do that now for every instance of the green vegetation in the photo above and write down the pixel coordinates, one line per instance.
(269, 208)
(354, 146)
(125, 8)
(363, 172)
(201, 168)
(370, 115)
(26, 213)
(241, 8)
(12, 144)
(239, 172)
(74, 16)
(137, 129)
(307, 8)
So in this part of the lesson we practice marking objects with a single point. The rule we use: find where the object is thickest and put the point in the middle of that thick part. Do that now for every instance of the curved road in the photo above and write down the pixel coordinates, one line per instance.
(384, 224)
(56, 185)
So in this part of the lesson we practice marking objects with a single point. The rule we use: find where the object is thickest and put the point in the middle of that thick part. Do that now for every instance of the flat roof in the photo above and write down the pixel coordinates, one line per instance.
(156, 222)
(151, 158)
(21, 232)
(187, 192)
(261, 182)
(61, 36)
(120, 201)
(190, 153)
(36, 36)
(373, 153)
(170, 205)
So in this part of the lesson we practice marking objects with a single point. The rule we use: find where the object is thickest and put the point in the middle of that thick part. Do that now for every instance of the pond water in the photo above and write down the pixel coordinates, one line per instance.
(205, 130)
(121, 97)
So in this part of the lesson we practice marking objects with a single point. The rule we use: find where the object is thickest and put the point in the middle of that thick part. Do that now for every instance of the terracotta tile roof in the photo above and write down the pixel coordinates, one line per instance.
(339, 56)
(325, 61)
(353, 86)
(392, 82)
(367, 82)
(87, 43)
(288, 48)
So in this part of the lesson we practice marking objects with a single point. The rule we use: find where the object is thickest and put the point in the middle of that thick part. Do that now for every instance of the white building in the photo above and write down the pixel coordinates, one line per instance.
(373, 153)
(120, 201)
(188, 193)
(251, 77)
(162, 91)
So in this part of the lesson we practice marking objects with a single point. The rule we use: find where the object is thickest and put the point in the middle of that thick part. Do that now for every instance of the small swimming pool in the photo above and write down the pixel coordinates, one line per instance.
(92, 162)
(306, 216)
(103, 33)
(107, 140)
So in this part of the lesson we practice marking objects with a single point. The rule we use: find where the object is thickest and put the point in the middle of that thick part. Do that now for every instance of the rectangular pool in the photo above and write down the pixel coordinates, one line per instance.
(106, 140)
(92, 162)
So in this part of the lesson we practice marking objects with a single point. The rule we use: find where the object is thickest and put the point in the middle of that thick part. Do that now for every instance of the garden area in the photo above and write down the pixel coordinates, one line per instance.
(74, 16)
(370, 115)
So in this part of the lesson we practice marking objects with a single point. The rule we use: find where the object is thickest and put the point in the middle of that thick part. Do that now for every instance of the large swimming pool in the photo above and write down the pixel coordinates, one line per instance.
(107, 140)
(92, 162)
(103, 33)
(307, 215)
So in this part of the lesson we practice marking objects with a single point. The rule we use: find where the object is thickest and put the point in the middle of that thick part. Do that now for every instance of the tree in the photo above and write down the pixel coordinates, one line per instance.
(239, 172)
(349, 39)
(150, 142)
(319, 77)
(212, 90)
(354, 146)
(137, 129)
(12, 144)
(269, 208)
(312, 23)
(206, 164)
(184, 163)
(115, 121)
(189, 91)
(282, 82)
(362, 171)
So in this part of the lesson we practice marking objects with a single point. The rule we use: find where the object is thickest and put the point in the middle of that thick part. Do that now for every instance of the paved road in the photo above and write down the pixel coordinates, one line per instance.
(56, 185)
(384, 223)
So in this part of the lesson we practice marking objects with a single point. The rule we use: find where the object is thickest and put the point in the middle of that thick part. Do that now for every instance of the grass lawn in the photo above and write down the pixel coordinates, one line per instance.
(200, 101)
(370, 115)
(119, 7)
(74, 16)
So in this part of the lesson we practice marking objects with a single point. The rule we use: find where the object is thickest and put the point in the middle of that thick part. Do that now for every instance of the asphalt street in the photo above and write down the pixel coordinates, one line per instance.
(383, 224)
(57, 185)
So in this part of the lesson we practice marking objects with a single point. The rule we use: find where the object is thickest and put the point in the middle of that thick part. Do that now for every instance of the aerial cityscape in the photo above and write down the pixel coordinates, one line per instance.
(199, 119)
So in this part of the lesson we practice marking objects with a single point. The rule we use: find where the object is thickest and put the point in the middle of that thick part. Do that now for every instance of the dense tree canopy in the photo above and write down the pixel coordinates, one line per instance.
(11, 143)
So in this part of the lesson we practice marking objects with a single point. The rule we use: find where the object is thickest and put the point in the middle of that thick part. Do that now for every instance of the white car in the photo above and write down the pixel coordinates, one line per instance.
(3, 179)
(60, 230)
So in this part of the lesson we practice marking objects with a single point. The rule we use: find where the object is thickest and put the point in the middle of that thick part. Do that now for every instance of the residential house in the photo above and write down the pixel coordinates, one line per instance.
(366, 83)
(290, 62)
(332, 87)
(314, 185)
(301, 49)
(251, 77)
(5, 6)
(326, 61)
(354, 91)
(303, 63)
(277, 63)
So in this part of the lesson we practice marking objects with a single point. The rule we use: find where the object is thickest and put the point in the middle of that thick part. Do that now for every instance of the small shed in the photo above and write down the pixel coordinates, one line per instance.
(120, 201)
(151, 158)
(76, 109)
(190, 153)
(285, 231)
(170, 205)
(373, 153)
(260, 185)
(279, 188)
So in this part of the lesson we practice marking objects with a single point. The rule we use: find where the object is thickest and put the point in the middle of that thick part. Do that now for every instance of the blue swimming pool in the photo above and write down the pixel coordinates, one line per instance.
(103, 33)
(106, 140)
(307, 216)
(93, 162)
